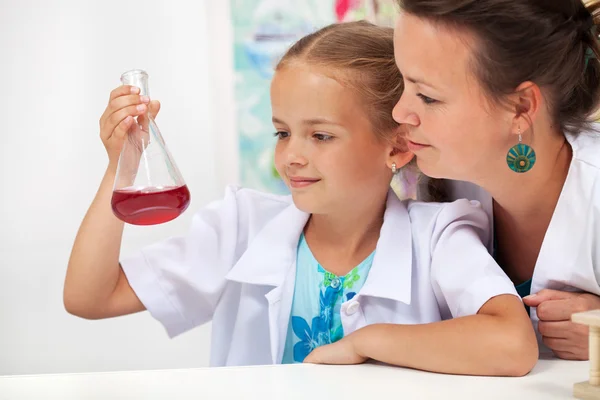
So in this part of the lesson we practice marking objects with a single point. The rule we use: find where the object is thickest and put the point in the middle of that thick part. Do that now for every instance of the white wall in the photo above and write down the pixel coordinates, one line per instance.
(59, 60)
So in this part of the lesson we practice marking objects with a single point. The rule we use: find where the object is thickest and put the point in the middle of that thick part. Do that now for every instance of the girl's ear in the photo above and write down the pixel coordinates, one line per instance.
(398, 152)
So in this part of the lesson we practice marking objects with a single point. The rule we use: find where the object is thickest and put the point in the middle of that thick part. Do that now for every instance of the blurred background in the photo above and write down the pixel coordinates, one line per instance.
(210, 63)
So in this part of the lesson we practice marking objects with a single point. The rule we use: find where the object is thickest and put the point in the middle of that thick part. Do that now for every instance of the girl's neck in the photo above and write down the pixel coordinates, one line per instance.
(342, 240)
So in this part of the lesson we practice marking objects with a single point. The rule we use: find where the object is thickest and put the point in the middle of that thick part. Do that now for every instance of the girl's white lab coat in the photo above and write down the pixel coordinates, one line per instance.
(237, 265)
(569, 258)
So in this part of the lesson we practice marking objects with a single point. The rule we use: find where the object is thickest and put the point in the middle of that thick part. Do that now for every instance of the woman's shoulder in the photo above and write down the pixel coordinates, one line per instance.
(586, 146)
(583, 182)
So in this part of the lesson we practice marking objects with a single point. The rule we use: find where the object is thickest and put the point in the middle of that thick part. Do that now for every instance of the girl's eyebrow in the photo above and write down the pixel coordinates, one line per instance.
(311, 121)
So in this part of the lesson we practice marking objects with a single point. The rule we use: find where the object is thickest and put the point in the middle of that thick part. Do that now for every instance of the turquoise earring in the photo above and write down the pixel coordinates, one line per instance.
(520, 158)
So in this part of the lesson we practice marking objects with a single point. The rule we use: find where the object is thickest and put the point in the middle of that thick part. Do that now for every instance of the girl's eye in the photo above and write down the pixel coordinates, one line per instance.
(426, 100)
(322, 137)
(281, 135)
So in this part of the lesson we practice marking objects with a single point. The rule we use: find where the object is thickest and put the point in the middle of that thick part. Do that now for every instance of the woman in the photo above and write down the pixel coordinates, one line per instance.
(500, 103)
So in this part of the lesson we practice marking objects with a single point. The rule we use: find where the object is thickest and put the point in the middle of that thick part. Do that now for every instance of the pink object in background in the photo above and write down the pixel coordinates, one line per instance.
(343, 6)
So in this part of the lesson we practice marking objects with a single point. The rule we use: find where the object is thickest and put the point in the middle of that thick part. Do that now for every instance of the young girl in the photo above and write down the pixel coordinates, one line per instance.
(341, 261)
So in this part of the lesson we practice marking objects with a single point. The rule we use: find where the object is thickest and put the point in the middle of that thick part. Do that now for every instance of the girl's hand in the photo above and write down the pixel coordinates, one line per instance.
(342, 352)
(125, 104)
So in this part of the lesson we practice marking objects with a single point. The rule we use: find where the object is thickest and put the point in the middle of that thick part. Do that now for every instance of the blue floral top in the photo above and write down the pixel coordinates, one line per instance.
(318, 295)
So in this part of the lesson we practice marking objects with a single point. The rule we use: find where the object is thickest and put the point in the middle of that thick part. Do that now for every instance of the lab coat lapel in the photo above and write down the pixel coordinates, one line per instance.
(270, 260)
(391, 273)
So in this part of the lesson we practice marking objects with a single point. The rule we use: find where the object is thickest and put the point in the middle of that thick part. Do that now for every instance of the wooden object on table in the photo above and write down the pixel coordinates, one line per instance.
(590, 390)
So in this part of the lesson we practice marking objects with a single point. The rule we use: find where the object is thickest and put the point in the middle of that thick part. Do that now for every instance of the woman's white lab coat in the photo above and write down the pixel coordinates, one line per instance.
(569, 259)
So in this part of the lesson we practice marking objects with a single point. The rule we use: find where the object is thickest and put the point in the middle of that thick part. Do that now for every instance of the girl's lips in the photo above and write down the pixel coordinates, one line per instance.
(300, 182)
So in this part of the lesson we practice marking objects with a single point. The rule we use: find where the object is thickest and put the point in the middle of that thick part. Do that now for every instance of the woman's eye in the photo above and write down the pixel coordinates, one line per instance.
(426, 99)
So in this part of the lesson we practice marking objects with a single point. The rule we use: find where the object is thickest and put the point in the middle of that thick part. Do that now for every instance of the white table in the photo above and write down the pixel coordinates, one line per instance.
(551, 379)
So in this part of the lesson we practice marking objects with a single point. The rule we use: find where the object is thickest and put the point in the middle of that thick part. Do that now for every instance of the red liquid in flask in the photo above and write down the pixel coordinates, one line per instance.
(150, 206)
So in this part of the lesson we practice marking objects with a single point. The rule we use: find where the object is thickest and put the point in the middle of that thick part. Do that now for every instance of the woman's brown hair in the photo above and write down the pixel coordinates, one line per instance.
(553, 43)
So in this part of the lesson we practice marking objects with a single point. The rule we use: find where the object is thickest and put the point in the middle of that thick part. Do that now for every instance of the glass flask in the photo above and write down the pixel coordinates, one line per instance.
(148, 189)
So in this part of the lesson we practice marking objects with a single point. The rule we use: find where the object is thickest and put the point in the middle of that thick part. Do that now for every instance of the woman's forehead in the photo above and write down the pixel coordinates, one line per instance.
(432, 54)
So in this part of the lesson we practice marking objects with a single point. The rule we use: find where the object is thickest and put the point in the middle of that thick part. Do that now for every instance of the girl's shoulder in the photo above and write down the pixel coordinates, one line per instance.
(244, 209)
(250, 199)
(436, 217)
(445, 212)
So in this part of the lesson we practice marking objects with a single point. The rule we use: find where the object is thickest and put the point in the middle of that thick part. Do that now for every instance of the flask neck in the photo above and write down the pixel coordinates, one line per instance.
(137, 78)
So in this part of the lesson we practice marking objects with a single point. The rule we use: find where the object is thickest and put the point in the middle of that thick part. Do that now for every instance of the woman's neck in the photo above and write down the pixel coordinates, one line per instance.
(524, 205)
(536, 192)
(342, 240)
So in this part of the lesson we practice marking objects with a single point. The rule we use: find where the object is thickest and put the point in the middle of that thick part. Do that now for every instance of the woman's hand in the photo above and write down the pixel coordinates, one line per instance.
(566, 339)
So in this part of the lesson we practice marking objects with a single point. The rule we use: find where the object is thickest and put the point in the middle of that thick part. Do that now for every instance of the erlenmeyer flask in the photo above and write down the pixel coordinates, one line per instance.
(149, 189)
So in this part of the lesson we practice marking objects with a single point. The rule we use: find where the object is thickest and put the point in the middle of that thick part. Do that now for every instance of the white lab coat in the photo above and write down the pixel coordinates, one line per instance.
(569, 258)
(236, 267)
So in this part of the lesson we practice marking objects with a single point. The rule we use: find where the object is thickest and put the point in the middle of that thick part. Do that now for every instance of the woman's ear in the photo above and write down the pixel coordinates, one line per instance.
(527, 100)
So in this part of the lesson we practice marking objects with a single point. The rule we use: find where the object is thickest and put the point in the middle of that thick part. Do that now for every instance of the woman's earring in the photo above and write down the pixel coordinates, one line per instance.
(520, 158)
(394, 169)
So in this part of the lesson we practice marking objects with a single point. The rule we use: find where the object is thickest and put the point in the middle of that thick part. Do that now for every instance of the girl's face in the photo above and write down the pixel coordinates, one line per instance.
(453, 130)
(327, 152)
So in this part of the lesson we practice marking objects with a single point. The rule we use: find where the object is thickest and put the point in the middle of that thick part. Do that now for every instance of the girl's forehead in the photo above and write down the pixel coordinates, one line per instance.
(310, 88)
(305, 95)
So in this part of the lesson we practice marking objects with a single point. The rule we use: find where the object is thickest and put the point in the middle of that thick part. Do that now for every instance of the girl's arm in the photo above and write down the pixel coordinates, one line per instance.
(490, 333)
(498, 341)
(95, 285)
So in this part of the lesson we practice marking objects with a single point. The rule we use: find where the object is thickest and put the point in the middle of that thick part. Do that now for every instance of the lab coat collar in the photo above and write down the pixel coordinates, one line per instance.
(270, 260)
(391, 272)
(270, 254)
(556, 269)
(273, 251)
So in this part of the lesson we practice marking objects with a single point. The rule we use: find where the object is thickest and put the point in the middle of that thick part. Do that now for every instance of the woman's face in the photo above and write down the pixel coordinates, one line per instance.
(453, 130)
